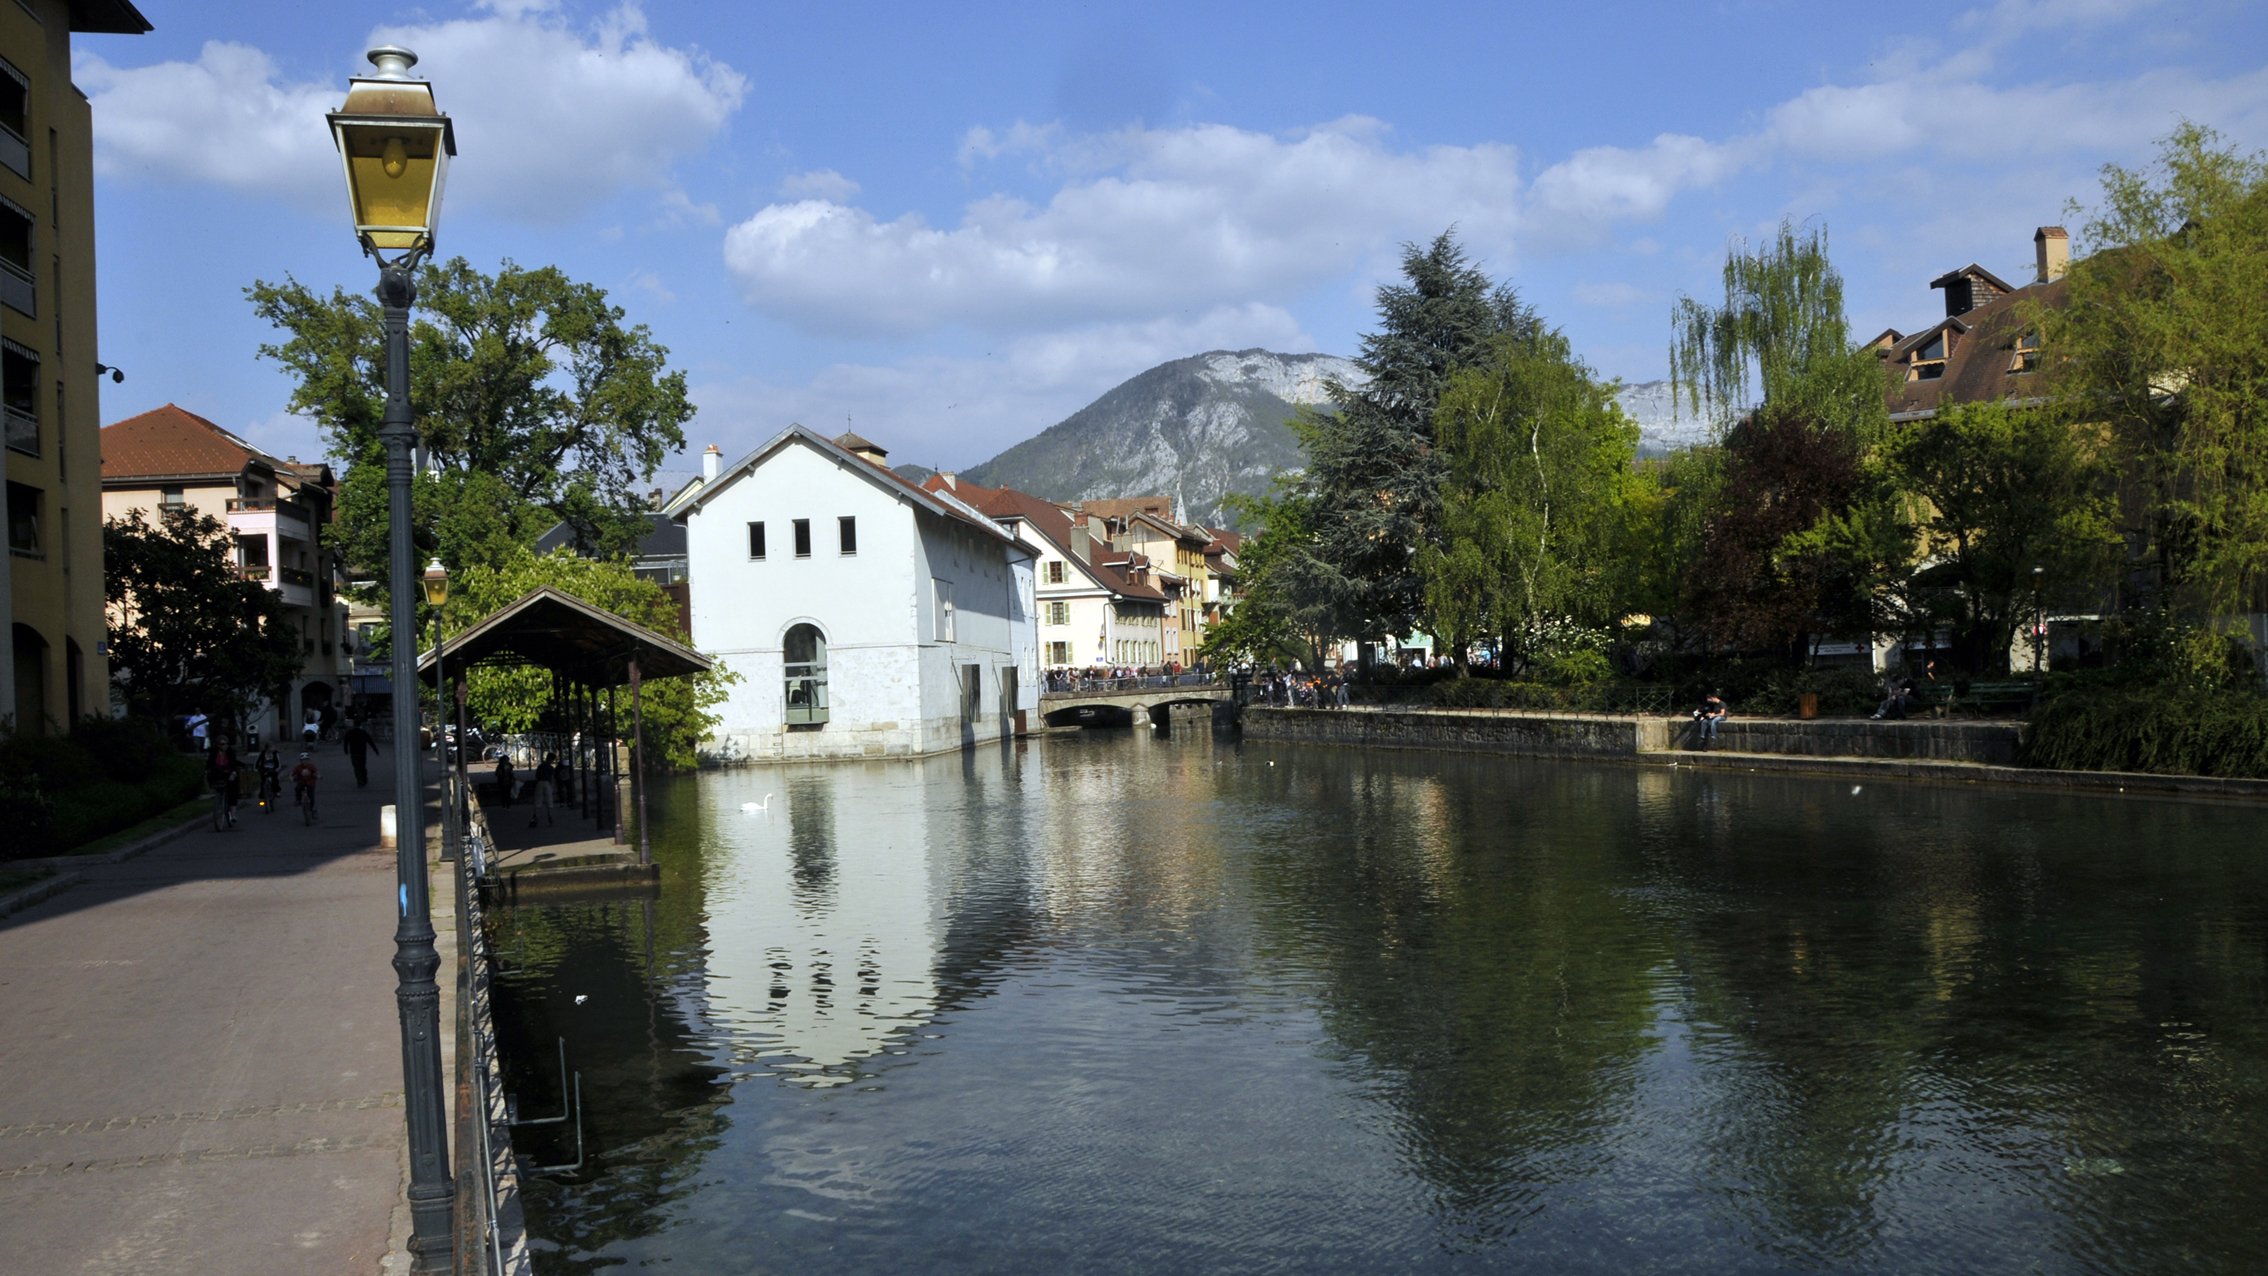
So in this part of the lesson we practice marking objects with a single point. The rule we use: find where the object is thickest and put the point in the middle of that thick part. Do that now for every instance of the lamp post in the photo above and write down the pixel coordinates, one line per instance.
(436, 582)
(394, 146)
(2039, 623)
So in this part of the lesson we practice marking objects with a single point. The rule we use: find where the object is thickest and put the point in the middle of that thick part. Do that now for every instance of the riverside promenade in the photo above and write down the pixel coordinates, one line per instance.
(202, 1066)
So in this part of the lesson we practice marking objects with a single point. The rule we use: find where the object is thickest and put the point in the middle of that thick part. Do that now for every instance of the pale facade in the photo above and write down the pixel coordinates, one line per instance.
(864, 616)
(278, 516)
(51, 588)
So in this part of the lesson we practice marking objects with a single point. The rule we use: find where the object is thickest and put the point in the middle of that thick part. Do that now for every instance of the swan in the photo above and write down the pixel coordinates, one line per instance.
(754, 808)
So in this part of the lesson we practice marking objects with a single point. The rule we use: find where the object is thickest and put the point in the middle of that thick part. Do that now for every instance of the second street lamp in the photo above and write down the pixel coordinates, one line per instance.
(436, 581)
(395, 146)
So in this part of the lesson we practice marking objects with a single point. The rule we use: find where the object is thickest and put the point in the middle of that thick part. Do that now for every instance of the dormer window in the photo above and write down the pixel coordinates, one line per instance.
(1928, 363)
(2025, 355)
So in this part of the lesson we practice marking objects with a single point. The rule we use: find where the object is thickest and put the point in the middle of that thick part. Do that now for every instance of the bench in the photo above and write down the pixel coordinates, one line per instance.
(1982, 696)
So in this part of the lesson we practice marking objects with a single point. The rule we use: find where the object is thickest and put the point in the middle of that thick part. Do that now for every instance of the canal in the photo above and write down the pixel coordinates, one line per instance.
(1116, 1003)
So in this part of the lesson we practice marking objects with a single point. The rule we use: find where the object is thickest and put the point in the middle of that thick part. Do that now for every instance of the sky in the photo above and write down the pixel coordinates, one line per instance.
(950, 226)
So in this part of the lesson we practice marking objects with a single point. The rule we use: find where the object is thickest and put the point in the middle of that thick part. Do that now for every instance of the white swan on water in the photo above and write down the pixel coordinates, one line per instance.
(752, 808)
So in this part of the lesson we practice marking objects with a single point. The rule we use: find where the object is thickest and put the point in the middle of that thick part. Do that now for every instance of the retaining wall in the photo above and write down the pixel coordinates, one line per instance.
(1942, 741)
(1477, 730)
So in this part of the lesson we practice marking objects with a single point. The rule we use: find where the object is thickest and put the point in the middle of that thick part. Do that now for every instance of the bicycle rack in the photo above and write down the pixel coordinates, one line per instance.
(573, 1108)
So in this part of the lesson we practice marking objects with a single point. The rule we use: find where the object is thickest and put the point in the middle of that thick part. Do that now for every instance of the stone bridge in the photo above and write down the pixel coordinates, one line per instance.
(1125, 702)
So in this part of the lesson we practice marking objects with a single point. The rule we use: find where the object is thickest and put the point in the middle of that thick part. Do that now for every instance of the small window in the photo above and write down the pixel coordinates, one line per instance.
(1055, 571)
(849, 528)
(1059, 613)
(943, 592)
(755, 540)
(2026, 354)
(1059, 653)
(803, 538)
(23, 519)
(170, 498)
(1929, 361)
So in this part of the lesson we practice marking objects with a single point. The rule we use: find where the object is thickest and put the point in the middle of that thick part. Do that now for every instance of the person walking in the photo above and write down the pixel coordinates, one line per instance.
(358, 746)
(546, 774)
(199, 725)
(506, 780)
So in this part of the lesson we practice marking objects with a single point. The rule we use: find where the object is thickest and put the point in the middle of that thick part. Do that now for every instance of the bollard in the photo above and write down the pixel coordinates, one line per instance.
(386, 835)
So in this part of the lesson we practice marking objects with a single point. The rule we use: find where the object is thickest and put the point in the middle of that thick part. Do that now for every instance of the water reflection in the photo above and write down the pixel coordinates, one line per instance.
(1113, 1003)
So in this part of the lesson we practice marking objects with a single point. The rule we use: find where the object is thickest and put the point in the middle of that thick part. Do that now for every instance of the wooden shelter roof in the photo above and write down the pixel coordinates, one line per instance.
(560, 632)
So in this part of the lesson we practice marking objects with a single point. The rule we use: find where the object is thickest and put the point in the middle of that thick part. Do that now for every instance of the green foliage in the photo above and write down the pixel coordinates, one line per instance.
(2004, 489)
(2154, 729)
(1373, 484)
(534, 400)
(57, 792)
(677, 710)
(186, 630)
(1293, 604)
(1780, 335)
(1537, 467)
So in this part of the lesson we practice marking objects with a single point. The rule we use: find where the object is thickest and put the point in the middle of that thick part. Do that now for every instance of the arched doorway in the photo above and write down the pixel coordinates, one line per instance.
(805, 675)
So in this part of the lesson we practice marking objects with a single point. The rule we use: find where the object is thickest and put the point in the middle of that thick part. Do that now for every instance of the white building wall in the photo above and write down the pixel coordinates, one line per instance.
(892, 685)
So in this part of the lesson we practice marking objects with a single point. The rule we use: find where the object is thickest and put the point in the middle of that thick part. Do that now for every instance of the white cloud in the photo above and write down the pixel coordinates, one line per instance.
(1157, 221)
(956, 410)
(550, 121)
(1581, 194)
(819, 183)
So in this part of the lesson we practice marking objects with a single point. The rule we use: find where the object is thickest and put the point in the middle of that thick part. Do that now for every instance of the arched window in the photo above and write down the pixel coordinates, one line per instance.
(806, 676)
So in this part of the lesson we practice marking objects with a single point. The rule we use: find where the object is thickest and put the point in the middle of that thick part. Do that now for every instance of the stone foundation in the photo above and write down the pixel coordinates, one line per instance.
(1607, 735)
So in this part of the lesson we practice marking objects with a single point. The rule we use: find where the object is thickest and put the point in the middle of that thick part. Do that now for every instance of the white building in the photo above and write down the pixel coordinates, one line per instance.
(864, 616)
(1096, 607)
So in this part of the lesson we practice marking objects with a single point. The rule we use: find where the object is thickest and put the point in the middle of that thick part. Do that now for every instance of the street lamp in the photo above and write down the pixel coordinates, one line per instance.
(394, 146)
(2039, 622)
(436, 581)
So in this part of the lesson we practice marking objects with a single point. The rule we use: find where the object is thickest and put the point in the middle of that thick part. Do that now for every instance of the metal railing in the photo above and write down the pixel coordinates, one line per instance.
(492, 1231)
(1143, 682)
(23, 431)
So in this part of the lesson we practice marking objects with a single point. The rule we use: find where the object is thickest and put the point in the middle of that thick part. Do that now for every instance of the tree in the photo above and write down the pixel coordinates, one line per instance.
(535, 405)
(1373, 478)
(1537, 458)
(186, 629)
(2005, 489)
(2165, 340)
(677, 710)
(1293, 602)
(1780, 335)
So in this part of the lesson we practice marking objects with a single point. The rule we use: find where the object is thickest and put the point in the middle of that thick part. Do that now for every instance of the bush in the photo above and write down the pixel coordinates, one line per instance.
(127, 749)
(52, 823)
(2155, 729)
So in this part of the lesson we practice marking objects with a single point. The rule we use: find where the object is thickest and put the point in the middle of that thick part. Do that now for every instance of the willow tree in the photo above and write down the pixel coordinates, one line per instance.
(2165, 340)
(1779, 337)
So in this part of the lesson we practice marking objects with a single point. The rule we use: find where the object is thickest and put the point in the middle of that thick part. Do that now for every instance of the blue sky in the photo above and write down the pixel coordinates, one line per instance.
(952, 225)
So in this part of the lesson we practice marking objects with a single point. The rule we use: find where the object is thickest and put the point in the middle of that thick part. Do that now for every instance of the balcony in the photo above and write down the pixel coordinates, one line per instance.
(23, 431)
(253, 571)
(15, 152)
(261, 515)
(17, 289)
(298, 589)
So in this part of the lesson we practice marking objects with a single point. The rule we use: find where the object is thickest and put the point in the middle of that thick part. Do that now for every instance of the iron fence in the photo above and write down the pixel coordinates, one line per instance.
(491, 1226)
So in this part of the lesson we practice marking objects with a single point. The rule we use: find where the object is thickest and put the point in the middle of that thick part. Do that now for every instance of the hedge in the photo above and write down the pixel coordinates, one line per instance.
(2150, 729)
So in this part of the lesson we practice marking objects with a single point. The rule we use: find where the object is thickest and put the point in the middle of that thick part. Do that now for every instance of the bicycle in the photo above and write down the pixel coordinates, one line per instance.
(271, 794)
(220, 808)
(306, 799)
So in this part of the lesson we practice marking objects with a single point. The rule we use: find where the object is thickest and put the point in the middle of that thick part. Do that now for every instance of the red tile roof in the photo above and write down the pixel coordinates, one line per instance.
(173, 442)
(1053, 526)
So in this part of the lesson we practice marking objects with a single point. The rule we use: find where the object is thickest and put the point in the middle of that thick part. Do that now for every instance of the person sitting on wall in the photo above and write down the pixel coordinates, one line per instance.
(1708, 717)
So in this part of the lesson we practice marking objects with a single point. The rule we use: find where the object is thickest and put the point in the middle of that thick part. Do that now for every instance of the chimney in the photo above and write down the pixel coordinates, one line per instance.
(2051, 249)
(712, 461)
(864, 449)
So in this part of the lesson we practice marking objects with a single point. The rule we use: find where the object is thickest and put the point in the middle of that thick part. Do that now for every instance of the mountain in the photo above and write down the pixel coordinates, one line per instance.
(1195, 429)
(1664, 424)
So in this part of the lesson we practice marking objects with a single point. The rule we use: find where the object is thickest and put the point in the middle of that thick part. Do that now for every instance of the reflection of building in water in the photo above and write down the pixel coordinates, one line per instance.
(821, 939)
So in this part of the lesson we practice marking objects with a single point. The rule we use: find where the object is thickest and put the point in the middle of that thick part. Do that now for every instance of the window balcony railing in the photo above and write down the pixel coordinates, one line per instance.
(253, 571)
(17, 289)
(298, 576)
(23, 431)
(15, 152)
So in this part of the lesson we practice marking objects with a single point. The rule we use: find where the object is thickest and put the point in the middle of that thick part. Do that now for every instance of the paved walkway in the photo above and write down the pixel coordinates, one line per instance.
(200, 1069)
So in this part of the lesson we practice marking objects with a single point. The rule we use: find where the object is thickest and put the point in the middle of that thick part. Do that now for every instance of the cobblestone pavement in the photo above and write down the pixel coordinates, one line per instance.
(202, 1065)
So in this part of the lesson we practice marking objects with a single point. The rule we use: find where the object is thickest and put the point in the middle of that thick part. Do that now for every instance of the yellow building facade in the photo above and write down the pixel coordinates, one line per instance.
(53, 591)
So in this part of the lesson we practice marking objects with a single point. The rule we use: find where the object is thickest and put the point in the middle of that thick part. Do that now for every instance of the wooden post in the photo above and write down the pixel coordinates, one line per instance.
(638, 761)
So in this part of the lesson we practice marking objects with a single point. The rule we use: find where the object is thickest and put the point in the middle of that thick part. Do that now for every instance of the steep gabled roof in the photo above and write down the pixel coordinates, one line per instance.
(1048, 521)
(1980, 368)
(1972, 271)
(693, 497)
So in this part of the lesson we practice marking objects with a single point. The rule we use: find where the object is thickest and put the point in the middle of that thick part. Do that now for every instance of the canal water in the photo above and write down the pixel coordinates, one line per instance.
(1116, 1003)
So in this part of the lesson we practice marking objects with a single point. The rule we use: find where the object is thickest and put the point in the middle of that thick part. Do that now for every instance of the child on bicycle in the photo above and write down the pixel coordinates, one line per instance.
(303, 779)
(270, 766)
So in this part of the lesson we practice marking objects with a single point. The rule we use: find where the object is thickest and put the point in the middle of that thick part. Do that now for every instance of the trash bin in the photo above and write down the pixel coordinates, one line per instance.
(1807, 704)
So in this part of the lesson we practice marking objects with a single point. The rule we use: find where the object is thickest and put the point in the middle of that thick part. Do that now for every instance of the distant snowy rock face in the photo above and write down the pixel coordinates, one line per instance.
(1664, 422)
(1195, 430)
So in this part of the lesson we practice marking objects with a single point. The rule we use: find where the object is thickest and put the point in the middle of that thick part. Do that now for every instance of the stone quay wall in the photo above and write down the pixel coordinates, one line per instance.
(1474, 730)
(1613, 735)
